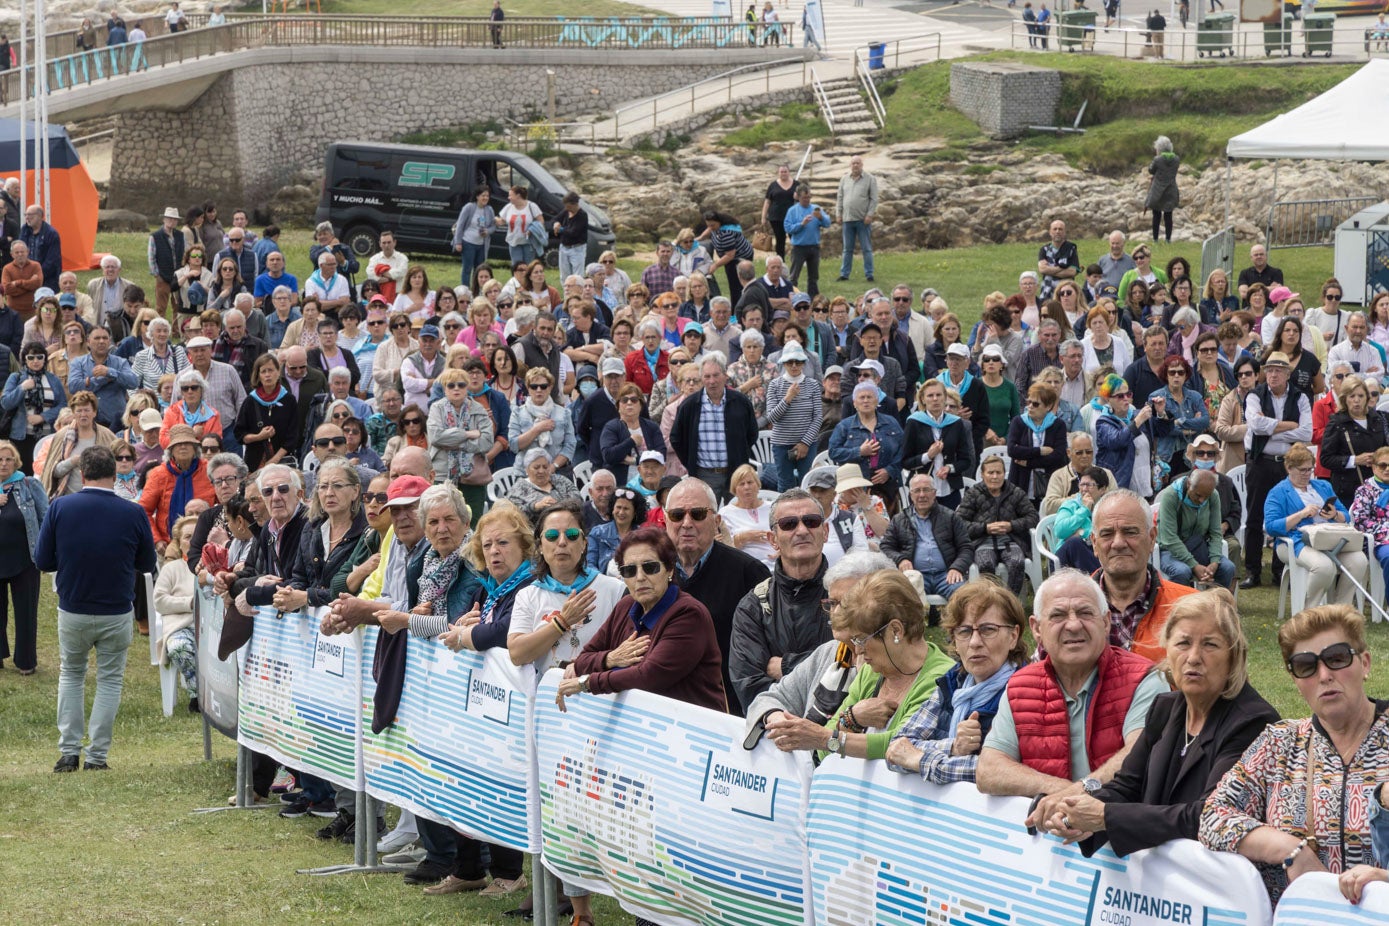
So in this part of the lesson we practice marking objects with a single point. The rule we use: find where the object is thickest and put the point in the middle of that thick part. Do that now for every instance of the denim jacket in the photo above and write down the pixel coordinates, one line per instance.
(33, 504)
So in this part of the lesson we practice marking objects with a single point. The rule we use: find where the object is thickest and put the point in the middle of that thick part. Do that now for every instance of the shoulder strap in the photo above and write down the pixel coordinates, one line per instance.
(763, 592)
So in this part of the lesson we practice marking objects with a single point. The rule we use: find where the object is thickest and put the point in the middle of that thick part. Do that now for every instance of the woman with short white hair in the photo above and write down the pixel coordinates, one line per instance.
(191, 408)
(753, 371)
(160, 357)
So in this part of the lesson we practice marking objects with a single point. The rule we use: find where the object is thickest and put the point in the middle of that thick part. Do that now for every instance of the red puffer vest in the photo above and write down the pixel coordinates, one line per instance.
(1039, 712)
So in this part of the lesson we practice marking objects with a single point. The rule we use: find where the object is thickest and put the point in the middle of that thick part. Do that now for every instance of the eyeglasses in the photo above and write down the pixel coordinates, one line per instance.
(547, 386)
(191, 388)
(1243, 373)
(607, 261)
(322, 442)
(1333, 297)
(130, 458)
(334, 486)
(1179, 373)
(829, 604)
(396, 326)
(452, 326)
(571, 534)
(677, 515)
(861, 641)
(629, 570)
(1033, 403)
(991, 360)
(220, 480)
(1206, 350)
(629, 398)
(1336, 656)
(211, 448)
(1304, 470)
(283, 488)
(906, 299)
(964, 632)
(298, 370)
(379, 498)
(1338, 376)
(456, 386)
(372, 323)
(410, 421)
(1205, 454)
(791, 521)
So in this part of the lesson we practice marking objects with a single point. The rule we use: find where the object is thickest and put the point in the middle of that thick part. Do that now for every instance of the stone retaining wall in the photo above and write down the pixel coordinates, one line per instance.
(258, 127)
(1005, 97)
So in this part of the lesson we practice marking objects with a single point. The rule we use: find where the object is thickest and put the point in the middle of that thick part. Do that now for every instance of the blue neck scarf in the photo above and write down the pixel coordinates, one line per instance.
(183, 490)
(255, 394)
(652, 358)
(1047, 422)
(1128, 419)
(191, 418)
(16, 476)
(1381, 502)
(972, 695)
(584, 579)
(486, 388)
(962, 387)
(496, 592)
(925, 418)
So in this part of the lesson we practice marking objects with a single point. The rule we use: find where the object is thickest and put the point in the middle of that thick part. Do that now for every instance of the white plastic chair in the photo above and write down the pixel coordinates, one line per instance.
(762, 450)
(821, 459)
(168, 688)
(1294, 580)
(1237, 476)
(156, 619)
(502, 481)
(904, 499)
(583, 472)
(767, 495)
(1376, 584)
(1000, 452)
(1043, 559)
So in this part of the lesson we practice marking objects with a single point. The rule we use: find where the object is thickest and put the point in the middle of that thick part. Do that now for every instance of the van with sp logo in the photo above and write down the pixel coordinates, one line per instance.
(417, 192)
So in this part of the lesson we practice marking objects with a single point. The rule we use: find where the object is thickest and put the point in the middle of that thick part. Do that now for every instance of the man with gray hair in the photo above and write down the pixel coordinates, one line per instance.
(813, 691)
(716, 575)
(770, 292)
(715, 429)
(1189, 532)
(237, 347)
(1115, 262)
(328, 286)
(255, 318)
(1057, 260)
(598, 508)
(1363, 355)
(1065, 482)
(781, 621)
(1045, 353)
(107, 290)
(1074, 388)
(1033, 749)
(720, 333)
(1122, 535)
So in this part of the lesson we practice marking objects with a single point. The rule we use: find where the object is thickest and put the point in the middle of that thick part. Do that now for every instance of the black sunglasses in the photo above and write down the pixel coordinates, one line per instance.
(678, 514)
(412, 421)
(789, 523)
(379, 497)
(398, 325)
(629, 570)
(1336, 656)
(329, 442)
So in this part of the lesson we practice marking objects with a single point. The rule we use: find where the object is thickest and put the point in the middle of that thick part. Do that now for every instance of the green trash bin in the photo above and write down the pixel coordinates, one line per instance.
(1316, 31)
(1216, 35)
(1279, 37)
(1075, 30)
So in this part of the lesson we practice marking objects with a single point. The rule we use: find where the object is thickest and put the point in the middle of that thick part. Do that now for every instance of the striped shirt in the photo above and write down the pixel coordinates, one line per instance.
(798, 422)
(712, 450)
(731, 238)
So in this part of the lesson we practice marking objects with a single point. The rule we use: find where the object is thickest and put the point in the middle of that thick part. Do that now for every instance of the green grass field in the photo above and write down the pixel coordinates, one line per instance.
(129, 834)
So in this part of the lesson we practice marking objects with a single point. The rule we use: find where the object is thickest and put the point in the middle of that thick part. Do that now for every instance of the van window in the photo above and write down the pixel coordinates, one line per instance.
(358, 169)
(500, 176)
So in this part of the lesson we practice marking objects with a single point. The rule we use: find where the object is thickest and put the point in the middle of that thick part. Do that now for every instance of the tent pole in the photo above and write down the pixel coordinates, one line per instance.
(1228, 172)
(40, 109)
(1268, 226)
(23, 104)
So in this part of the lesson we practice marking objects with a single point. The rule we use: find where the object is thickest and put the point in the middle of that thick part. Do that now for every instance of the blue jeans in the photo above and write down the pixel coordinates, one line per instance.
(78, 635)
(474, 255)
(935, 584)
(862, 233)
(571, 261)
(1382, 554)
(789, 472)
(524, 252)
(315, 789)
(1181, 573)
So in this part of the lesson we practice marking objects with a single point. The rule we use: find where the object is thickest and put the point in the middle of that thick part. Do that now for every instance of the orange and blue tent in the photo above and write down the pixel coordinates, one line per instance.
(72, 194)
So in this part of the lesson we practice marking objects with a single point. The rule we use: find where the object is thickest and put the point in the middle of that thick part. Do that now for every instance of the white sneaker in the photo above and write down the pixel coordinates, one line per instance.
(405, 832)
(411, 854)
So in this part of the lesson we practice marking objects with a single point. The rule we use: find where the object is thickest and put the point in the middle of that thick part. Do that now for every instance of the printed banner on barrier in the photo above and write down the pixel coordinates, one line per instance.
(1316, 900)
(218, 681)
(458, 751)
(657, 803)
(890, 849)
(301, 699)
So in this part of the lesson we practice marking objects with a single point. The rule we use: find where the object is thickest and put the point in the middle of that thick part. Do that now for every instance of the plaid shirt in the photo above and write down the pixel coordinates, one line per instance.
(926, 730)
(660, 279)
(712, 450)
(224, 390)
(1122, 624)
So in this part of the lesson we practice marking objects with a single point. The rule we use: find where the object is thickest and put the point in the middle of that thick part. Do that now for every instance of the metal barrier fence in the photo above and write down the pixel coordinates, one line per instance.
(245, 32)
(1196, 43)
(646, 116)
(1310, 223)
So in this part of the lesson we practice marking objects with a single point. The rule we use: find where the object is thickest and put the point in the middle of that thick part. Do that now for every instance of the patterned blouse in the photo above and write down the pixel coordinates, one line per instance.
(742, 371)
(1367, 515)
(1268, 787)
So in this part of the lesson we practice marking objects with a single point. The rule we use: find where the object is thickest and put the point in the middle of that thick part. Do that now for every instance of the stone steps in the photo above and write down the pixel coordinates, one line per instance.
(851, 115)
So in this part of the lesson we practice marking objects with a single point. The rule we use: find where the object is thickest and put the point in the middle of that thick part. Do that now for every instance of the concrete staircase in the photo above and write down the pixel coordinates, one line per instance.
(848, 114)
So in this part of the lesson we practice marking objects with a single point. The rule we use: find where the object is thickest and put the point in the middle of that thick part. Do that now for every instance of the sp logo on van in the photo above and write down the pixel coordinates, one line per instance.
(421, 173)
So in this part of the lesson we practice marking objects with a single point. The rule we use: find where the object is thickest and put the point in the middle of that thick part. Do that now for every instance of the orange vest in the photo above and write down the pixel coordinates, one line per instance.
(1148, 632)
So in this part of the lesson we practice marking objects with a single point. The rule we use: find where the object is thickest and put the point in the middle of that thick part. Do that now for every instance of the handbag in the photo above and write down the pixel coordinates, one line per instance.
(762, 239)
(481, 473)
(1327, 537)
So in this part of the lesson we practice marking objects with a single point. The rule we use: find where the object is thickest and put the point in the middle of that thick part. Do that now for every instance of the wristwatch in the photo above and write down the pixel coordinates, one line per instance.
(583, 683)
(1090, 784)
(835, 743)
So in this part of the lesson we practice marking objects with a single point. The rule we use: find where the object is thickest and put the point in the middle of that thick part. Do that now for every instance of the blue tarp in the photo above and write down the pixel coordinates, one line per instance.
(61, 154)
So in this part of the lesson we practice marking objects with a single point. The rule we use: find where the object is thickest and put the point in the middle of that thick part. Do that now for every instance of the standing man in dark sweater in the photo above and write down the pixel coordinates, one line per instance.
(572, 231)
(716, 575)
(96, 599)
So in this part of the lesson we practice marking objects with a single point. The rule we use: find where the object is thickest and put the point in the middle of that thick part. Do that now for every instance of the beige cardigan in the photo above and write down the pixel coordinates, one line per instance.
(1229, 428)
(173, 598)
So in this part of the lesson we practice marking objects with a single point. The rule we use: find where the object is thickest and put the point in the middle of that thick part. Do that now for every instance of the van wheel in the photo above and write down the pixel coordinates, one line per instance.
(552, 258)
(361, 239)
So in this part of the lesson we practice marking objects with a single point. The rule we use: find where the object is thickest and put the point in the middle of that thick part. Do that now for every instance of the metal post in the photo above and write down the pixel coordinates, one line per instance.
(550, 90)
(245, 789)
(23, 106)
(1228, 163)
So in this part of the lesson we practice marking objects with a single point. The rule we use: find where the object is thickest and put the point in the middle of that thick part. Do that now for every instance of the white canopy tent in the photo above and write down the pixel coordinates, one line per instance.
(1343, 124)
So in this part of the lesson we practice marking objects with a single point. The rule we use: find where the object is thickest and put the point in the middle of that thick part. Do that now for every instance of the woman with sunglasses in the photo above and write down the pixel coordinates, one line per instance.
(623, 439)
(1124, 438)
(1351, 438)
(1229, 426)
(191, 408)
(35, 397)
(74, 345)
(127, 477)
(539, 422)
(460, 430)
(665, 390)
(657, 638)
(1211, 376)
(1182, 414)
(629, 513)
(542, 486)
(194, 270)
(899, 672)
(1298, 502)
(44, 326)
(1302, 795)
(178, 480)
(365, 557)
(226, 285)
(358, 450)
(385, 368)
(1143, 272)
(1036, 443)
(268, 421)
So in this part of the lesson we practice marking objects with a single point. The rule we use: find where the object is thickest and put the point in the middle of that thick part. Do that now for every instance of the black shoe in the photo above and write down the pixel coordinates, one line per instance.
(296, 809)
(427, 872)
(95, 767)
(66, 764)
(1250, 582)
(343, 823)
(869, 279)
(841, 280)
(325, 809)
(193, 706)
(291, 797)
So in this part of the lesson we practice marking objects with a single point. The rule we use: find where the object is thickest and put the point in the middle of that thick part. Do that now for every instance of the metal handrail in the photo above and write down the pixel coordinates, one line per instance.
(823, 100)
(908, 47)
(875, 102)
(1192, 43)
(531, 133)
(690, 95)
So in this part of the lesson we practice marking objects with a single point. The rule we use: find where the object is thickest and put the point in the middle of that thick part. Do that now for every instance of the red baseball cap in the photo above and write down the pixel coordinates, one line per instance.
(405, 490)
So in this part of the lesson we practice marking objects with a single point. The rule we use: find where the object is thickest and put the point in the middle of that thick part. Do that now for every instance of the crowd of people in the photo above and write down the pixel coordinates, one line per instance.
(656, 486)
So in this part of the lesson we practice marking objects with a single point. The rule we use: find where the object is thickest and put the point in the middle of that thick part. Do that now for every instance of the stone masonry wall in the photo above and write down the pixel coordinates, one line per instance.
(1004, 98)
(257, 127)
